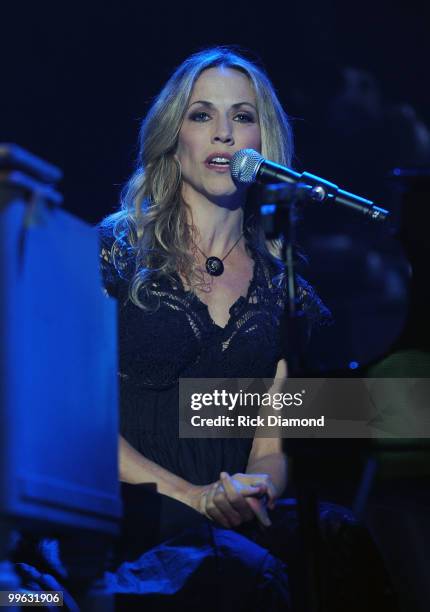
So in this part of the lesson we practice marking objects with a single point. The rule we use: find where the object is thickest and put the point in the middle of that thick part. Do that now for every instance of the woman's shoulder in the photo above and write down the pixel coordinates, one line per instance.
(308, 301)
(311, 304)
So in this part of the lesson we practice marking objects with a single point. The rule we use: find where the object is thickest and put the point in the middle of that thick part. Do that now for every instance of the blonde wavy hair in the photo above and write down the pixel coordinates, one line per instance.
(152, 224)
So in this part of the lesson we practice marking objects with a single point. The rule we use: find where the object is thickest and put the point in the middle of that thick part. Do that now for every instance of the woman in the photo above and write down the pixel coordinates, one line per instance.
(183, 203)
(201, 295)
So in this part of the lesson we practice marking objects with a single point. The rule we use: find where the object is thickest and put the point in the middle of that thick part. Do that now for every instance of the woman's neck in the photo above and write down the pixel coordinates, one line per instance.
(218, 227)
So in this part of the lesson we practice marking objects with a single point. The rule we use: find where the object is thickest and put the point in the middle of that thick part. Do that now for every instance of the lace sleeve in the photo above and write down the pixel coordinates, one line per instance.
(311, 306)
(114, 263)
(311, 314)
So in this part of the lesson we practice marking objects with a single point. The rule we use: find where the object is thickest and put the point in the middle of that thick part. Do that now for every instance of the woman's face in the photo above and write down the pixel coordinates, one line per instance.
(221, 119)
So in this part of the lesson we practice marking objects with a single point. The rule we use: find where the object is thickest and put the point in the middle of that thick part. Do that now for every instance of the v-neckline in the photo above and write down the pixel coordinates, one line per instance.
(241, 299)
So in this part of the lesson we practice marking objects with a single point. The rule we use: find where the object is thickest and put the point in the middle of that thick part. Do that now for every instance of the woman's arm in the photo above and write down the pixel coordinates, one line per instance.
(267, 456)
(266, 471)
(134, 468)
(269, 459)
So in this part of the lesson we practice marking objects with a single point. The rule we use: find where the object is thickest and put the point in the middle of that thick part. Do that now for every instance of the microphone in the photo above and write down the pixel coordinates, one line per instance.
(247, 166)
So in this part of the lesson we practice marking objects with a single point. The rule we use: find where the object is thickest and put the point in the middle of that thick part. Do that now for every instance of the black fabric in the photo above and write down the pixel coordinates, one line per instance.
(236, 563)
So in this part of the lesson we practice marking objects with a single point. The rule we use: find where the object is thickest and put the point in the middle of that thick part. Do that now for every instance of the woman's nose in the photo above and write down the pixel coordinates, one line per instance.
(223, 131)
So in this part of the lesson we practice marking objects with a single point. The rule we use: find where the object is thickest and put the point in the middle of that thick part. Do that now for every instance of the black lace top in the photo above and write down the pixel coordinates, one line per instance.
(180, 339)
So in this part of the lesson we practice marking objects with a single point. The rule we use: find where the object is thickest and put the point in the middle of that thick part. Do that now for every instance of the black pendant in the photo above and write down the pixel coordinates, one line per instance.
(214, 266)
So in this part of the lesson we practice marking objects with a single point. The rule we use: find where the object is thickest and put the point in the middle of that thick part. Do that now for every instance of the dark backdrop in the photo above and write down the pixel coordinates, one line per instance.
(76, 78)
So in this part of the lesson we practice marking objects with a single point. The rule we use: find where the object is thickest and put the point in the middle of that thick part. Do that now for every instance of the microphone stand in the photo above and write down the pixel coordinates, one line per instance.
(282, 202)
(279, 221)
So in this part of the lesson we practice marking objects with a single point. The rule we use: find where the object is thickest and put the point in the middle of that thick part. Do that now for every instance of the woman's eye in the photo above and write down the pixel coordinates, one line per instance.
(202, 116)
(244, 118)
(199, 116)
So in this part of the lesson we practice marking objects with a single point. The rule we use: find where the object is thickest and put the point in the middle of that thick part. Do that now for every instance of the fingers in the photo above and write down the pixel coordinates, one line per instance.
(254, 501)
(236, 496)
(235, 499)
(259, 510)
(264, 482)
(249, 484)
(219, 508)
(266, 496)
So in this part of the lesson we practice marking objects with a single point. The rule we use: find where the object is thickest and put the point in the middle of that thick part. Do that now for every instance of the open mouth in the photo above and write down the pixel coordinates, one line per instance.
(218, 161)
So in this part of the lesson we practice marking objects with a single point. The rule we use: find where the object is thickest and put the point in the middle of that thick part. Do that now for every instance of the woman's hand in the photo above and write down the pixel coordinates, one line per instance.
(233, 500)
(229, 510)
(269, 494)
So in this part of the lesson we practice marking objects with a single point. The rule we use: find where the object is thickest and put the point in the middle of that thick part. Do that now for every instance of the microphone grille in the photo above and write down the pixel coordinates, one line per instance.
(244, 166)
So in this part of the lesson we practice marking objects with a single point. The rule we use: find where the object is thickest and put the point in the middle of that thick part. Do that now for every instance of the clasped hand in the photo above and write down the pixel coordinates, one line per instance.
(233, 500)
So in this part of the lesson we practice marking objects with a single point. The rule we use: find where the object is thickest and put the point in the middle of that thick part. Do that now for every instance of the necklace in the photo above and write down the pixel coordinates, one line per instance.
(214, 265)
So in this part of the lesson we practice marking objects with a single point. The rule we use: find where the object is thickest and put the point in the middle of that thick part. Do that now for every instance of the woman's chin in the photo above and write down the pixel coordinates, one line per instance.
(225, 194)
(228, 190)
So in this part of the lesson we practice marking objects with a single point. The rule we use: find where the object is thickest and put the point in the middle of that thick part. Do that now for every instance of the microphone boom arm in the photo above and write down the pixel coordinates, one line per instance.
(248, 166)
